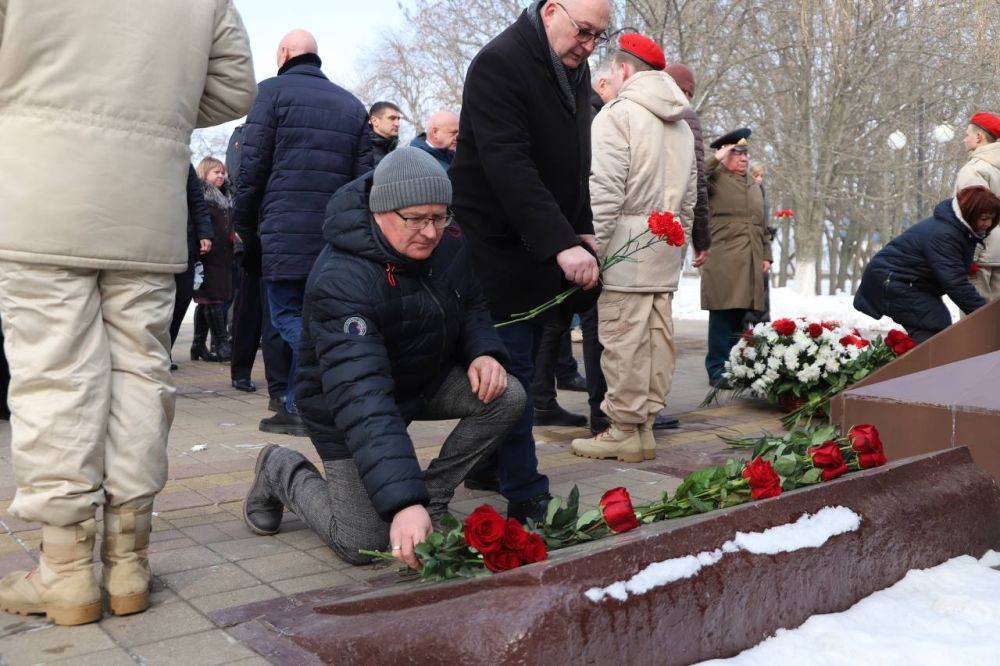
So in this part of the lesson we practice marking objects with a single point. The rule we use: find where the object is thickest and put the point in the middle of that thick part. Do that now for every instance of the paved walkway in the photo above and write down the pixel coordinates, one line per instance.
(211, 570)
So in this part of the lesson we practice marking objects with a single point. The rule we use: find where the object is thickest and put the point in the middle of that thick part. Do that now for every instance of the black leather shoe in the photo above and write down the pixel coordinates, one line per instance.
(533, 508)
(487, 483)
(284, 423)
(245, 385)
(173, 367)
(576, 383)
(261, 511)
(666, 422)
(276, 403)
(557, 416)
(599, 423)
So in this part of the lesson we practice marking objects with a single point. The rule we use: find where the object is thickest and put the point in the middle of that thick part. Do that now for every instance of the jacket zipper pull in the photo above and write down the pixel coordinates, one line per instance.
(390, 272)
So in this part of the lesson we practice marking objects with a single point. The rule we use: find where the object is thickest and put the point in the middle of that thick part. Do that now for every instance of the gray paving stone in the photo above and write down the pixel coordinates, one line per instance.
(247, 595)
(115, 657)
(50, 643)
(183, 559)
(255, 547)
(314, 582)
(156, 624)
(209, 580)
(283, 566)
(210, 647)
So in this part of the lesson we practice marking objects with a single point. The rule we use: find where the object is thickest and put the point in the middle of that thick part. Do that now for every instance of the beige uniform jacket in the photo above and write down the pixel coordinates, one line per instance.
(97, 102)
(983, 168)
(643, 161)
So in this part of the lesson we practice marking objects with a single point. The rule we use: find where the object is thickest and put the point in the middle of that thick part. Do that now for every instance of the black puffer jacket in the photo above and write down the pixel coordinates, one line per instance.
(199, 226)
(907, 277)
(304, 138)
(379, 334)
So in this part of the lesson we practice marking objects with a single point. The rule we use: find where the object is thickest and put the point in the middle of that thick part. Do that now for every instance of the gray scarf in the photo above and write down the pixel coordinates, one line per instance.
(562, 75)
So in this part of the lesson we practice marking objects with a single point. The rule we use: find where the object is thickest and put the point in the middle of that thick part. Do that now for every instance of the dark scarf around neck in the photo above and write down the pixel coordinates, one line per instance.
(563, 76)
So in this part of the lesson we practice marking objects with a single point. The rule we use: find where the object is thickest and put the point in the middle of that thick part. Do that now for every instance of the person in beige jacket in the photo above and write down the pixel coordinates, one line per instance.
(97, 103)
(983, 168)
(643, 161)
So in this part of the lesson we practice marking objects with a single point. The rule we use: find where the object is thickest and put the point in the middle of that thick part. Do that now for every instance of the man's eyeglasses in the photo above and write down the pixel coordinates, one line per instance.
(585, 36)
(420, 222)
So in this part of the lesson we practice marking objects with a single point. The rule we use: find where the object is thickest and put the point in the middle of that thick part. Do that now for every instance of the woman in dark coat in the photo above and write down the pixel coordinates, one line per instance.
(217, 286)
(908, 277)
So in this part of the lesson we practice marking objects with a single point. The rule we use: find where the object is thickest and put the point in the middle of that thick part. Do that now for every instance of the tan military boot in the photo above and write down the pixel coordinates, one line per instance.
(618, 441)
(647, 439)
(124, 553)
(62, 587)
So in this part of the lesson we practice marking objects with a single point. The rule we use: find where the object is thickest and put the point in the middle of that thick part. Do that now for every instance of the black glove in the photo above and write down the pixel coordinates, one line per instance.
(253, 257)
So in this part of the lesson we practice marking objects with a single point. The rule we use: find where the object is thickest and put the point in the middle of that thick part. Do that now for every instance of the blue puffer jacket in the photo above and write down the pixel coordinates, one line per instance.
(907, 277)
(444, 156)
(379, 334)
(304, 138)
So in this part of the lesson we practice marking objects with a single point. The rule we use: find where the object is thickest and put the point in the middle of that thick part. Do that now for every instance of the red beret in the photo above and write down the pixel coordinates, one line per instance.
(643, 48)
(988, 122)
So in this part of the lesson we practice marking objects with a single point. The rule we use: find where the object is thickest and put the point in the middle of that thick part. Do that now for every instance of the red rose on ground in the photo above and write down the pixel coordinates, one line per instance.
(618, 512)
(828, 458)
(849, 340)
(830, 325)
(784, 326)
(484, 529)
(899, 342)
(534, 549)
(763, 480)
(514, 536)
(866, 442)
(815, 330)
(862, 343)
(502, 560)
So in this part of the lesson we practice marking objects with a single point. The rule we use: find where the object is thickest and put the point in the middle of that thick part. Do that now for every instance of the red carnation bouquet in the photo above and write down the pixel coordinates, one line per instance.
(784, 212)
(661, 227)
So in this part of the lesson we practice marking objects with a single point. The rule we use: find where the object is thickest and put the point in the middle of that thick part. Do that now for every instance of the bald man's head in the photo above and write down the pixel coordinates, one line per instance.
(296, 43)
(442, 130)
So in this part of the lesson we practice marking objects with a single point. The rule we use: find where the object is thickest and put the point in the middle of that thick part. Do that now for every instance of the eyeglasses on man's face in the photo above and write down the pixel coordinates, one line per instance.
(585, 36)
(420, 222)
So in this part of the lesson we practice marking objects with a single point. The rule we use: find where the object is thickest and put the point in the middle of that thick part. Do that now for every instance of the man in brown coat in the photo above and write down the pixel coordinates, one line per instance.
(732, 280)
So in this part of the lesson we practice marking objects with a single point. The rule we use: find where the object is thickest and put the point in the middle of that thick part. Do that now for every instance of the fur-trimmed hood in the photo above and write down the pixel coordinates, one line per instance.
(219, 198)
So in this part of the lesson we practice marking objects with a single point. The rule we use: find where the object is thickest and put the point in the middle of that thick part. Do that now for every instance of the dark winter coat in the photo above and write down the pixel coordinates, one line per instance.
(304, 138)
(522, 168)
(444, 156)
(381, 146)
(701, 235)
(199, 225)
(906, 279)
(379, 334)
(218, 262)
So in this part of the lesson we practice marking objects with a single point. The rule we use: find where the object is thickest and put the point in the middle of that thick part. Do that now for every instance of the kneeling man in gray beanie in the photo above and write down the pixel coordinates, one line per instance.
(395, 329)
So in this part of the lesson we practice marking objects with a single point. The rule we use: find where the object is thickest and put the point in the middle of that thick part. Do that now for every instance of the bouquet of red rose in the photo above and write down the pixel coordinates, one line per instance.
(661, 227)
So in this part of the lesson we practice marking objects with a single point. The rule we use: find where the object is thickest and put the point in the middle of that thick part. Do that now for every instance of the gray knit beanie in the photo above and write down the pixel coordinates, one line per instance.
(408, 176)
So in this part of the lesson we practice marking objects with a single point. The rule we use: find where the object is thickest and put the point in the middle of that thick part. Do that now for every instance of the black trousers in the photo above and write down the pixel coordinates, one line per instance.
(252, 329)
(185, 290)
(4, 380)
(597, 386)
(554, 360)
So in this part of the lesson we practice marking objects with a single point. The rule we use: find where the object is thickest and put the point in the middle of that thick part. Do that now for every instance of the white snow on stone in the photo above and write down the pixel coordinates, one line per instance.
(806, 532)
(809, 531)
(948, 614)
(788, 302)
(199, 447)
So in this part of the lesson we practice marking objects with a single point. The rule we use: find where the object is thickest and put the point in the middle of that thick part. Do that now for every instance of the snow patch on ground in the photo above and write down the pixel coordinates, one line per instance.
(947, 614)
(788, 302)
(809, 531)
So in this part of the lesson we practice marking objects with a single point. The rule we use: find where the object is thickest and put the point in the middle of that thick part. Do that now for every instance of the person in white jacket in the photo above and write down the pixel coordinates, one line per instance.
(90, 91)
(983, 168)
(643, 162)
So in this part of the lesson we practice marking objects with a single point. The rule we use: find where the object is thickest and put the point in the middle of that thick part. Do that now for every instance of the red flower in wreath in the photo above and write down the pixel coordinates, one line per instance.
(899, 342)
(783, 326)
(665, 226)
(815, 330)
(616, 504)
(763, 480)
(855, 340)
(828, 458)
(830, 325)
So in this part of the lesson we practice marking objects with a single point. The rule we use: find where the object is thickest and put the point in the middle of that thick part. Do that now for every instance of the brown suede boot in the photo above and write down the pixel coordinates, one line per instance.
(619, 441)
(62, 587)
(124, 553)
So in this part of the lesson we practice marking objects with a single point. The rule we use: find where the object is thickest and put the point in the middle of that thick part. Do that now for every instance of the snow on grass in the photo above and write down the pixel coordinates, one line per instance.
(809, 531)
(788, 302)
(948, 614)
